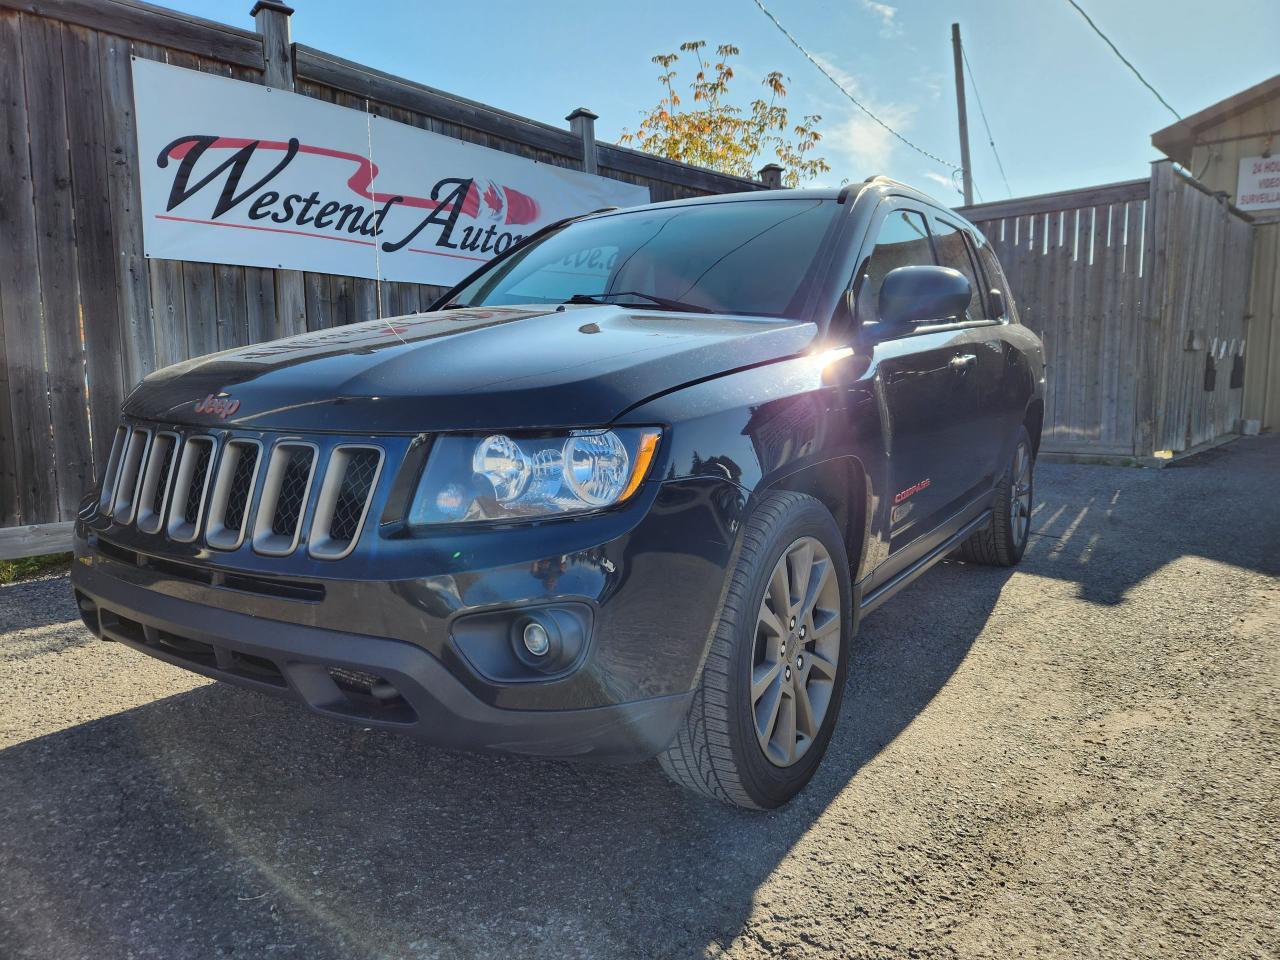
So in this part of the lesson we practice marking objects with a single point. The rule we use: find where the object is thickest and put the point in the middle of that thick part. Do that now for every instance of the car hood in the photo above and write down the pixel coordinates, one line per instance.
(469, 369)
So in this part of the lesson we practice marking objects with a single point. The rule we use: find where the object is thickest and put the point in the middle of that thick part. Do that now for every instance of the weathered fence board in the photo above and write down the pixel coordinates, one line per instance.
(95, 262)
(31, 453)
(1262, 394)
(34, 540)
(135, 319)
(56, 259)
(23, 451)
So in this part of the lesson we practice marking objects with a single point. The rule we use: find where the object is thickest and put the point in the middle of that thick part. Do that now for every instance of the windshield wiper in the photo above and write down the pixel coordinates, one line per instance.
(660, 303)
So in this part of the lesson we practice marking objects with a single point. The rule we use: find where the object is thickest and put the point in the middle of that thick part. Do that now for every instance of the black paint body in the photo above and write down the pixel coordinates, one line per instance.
(746, 405)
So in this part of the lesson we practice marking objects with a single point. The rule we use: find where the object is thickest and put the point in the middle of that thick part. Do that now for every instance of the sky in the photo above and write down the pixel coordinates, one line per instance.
(1064, 112)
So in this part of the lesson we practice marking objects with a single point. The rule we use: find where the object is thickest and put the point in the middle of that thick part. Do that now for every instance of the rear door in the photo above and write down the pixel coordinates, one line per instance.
(928, 400)
(988, 432)
(1017, 384)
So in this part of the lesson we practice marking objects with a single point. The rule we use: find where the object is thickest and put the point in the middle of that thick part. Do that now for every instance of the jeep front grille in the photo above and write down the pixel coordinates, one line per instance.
(110, 475)
(154, 494)
(237, 477)
(130, 475)
(190, 487)
(344, 499)
(284, 498)
(226, 489)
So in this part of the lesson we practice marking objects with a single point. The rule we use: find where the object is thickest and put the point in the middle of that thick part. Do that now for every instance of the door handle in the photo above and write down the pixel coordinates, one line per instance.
(963, 361)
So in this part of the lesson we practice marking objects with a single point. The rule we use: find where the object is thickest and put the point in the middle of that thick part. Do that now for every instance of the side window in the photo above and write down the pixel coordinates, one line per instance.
(996, 279)
(903, 241)
(954, 252)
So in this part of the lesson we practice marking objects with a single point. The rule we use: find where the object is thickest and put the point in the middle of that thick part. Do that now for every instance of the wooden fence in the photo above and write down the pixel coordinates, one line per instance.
(1139, 291)
(84, 314)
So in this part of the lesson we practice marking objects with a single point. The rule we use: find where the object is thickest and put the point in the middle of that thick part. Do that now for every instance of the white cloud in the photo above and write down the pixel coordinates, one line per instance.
(889, 26)
(942, 180)
(862, 145)
(854, 144)
(843, 77)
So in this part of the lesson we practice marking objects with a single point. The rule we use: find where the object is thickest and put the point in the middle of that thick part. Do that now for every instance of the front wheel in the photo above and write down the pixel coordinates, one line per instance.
(771, 688)
(1002, 542)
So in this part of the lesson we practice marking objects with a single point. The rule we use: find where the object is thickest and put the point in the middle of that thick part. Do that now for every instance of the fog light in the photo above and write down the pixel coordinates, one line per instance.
(536, 640)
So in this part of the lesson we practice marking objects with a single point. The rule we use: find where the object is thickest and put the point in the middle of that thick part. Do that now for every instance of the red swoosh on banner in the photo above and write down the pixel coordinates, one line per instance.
(521, 208)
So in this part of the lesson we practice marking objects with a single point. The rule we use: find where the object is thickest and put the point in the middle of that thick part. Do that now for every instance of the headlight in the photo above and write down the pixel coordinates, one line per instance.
(499, 477)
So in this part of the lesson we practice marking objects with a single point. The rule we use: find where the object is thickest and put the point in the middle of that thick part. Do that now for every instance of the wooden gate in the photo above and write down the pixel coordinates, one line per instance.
(1201, 273)
(1139, 291)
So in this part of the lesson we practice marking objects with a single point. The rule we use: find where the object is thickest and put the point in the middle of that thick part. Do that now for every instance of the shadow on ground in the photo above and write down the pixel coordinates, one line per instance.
(219, 822)
(1107, 529)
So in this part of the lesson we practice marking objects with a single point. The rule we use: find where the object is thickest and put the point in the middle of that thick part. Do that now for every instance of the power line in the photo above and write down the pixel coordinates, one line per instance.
(982, 110)
(972, 182)
(854, 100)
(1123, 60)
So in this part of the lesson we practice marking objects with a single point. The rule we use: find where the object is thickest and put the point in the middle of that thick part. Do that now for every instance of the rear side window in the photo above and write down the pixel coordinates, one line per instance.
(954, 252)
(903, 241)
(996, 280)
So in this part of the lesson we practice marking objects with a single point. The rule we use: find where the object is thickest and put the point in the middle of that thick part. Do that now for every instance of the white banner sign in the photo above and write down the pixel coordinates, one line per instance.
(1259, 184)
(234, 172)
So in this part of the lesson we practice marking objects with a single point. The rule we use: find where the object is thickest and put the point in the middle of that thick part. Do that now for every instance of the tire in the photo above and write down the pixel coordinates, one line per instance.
(720, 750)
(1003, 541)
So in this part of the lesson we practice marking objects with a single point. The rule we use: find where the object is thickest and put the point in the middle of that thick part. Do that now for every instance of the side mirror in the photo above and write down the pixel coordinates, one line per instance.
(923, 294)
(996, 301)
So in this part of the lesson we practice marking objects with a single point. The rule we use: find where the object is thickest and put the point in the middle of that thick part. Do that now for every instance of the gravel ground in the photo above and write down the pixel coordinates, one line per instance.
(1077, 759)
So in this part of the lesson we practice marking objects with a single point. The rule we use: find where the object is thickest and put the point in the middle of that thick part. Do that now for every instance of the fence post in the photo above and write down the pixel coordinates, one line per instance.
(771, 176)
(582, 122)
(271, 20)
(1154, 339)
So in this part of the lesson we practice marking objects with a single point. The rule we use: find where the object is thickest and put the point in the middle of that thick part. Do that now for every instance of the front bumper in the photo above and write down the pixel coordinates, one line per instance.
(382, 652)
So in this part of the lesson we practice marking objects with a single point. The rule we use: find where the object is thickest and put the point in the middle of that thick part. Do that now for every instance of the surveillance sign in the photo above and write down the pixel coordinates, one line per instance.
(1259, 185)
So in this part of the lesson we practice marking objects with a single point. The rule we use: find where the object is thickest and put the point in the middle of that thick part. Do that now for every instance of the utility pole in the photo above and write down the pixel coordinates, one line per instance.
(958, 51)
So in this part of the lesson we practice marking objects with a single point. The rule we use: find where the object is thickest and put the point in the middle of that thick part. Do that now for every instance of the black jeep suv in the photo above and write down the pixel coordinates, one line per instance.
(624, 491)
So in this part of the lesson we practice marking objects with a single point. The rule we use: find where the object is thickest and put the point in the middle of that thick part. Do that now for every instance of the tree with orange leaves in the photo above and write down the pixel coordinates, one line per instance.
(720, 135)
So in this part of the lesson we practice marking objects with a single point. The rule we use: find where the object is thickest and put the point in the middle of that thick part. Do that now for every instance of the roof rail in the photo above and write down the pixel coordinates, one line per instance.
(881, 178)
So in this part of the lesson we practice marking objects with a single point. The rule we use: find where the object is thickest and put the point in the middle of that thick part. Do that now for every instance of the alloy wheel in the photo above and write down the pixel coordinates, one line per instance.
(797, 652)
(1020, 496)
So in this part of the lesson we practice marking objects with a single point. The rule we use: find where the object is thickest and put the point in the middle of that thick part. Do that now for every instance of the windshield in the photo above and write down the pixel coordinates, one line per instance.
(739, 257)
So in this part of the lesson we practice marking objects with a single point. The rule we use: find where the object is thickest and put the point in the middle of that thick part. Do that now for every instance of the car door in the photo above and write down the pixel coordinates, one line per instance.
(1006, 408)
(987, 432)
(927, 399)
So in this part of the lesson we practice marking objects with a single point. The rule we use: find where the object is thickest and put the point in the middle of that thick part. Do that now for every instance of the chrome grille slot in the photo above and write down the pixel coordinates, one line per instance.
(285, 491)
(190, 485)
(232, 496)
(349, 483)
(130, 475)
(153, 496)
(110, 474)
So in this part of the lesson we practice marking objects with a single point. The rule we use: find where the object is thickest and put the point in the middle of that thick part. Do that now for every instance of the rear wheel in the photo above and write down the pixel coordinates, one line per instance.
(1004, 540)
(771, 688)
